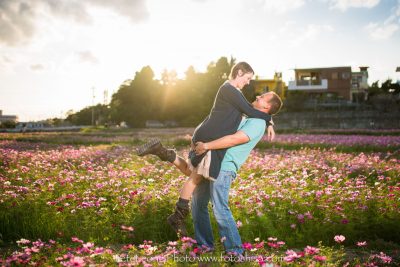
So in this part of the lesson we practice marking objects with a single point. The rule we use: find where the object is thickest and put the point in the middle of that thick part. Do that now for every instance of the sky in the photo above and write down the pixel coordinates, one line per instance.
(56, 54)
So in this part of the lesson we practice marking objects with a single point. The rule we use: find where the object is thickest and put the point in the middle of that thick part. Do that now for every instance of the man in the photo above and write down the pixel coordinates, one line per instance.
(240, 144)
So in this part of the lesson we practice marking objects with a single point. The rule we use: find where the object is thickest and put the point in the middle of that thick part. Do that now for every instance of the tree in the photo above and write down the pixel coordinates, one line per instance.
(7, 124)
(84, 116)
(188, 100)
(386, 86)
(138, 100)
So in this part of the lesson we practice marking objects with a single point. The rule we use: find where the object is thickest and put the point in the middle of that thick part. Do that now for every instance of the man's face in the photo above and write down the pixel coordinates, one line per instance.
(262, 102)
(244, 79)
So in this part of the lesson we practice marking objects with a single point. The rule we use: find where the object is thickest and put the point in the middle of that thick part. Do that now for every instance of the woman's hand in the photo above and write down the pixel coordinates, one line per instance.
(270, 133)
(200, 148)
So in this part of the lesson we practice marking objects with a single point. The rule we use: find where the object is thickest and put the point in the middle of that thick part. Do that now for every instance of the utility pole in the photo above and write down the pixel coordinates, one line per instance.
(93, 107)
(105, 100)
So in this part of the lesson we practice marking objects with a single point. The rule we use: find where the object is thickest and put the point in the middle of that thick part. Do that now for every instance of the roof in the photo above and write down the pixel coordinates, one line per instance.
(325, 68)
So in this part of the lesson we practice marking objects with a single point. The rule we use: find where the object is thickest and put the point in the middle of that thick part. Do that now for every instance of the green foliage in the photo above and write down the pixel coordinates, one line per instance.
(186, 101)
(7, 124)
(387, 87)
(100, 114)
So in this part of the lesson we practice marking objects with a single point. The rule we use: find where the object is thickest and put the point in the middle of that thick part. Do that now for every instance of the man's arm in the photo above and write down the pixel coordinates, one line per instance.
(224, 142)
(237, 99)
(231, 140)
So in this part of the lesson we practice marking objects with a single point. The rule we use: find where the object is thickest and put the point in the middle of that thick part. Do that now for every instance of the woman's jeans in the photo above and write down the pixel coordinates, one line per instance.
(218, 193)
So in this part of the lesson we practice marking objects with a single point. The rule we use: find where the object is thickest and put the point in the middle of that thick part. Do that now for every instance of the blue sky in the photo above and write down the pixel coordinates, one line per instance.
(52, 53)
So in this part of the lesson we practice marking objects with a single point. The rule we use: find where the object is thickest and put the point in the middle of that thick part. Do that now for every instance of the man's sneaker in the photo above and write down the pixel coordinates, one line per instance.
(177, 221)
(154, 147)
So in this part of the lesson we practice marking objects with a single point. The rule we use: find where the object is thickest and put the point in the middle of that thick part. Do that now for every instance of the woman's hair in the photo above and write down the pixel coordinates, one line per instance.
(243, 66)
(276, 103)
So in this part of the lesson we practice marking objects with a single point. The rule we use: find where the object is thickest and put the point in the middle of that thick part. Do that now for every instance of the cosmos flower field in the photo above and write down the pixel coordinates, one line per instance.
(94, 202)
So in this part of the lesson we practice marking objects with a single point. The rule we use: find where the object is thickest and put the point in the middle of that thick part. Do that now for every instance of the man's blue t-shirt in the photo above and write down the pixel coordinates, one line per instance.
(237, 155)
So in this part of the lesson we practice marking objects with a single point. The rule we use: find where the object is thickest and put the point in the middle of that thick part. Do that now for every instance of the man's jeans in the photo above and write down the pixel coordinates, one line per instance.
(218, 193)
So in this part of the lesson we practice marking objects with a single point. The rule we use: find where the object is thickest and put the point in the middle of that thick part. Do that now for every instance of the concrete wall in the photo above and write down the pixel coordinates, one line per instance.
(337, 120)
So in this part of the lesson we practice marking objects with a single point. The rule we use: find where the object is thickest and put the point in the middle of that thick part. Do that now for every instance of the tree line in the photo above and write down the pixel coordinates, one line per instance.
(186, 101)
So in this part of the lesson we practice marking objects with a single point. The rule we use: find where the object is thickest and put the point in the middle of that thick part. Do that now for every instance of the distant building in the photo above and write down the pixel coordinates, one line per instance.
(359, 84)
(4, 118)
(32, 125)
(276, 85)
(323, 81)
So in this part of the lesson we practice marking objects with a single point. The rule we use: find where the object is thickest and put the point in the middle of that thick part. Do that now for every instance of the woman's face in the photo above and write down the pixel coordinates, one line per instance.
(243, 79)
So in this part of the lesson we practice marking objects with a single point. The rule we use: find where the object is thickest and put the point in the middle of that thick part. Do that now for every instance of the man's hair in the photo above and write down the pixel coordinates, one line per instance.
(243, 66)
(276, 103)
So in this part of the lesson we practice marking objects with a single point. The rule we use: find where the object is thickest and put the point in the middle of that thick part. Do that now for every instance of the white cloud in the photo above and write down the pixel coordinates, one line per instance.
(312, 32)
(386, 29)
(381, 32)
(6, 59)
(282, 6)
(16, 21)
(37, 67)
(136, 10)
(346, 4)
(18, 17)
(301, 35)
(87, 56)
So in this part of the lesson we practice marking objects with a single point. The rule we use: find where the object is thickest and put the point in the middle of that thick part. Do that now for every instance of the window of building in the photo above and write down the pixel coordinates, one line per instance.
(345, 75)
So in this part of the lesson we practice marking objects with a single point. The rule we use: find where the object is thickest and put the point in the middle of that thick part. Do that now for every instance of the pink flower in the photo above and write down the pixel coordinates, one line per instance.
(188, 239)
(280, 243)
(339, 238)
(259, 245)
(35, 249)
(239, 224)
(247, 246)
(272, 245)
(319, 258)
(311, 250)
(76, 262)
(362, 244)
(261, 261)
(384, 258)
(75, 239)
(127, 228)
(98, 250)
(88, 245)
(23, 241)
(291, 256)
(309, 215)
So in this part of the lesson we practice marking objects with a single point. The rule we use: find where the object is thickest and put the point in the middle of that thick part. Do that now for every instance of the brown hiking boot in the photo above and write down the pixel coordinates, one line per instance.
(177, 221)
(154, 147)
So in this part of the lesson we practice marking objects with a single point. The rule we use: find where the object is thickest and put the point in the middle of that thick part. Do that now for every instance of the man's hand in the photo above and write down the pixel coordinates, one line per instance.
(200, 148)
(270, 133)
